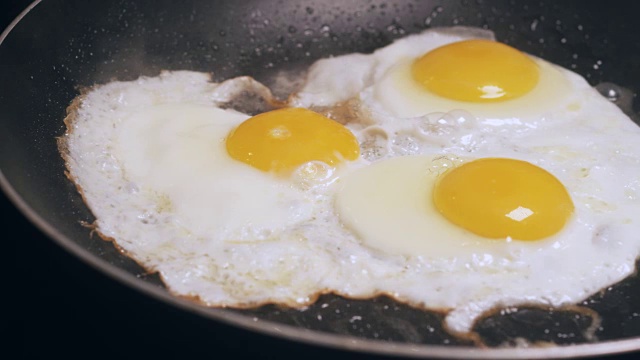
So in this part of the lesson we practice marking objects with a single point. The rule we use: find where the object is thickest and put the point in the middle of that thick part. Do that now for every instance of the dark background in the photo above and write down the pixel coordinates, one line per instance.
(61, 306)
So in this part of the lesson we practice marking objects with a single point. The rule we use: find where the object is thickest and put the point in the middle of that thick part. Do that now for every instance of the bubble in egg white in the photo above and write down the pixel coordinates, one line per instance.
(374, 144)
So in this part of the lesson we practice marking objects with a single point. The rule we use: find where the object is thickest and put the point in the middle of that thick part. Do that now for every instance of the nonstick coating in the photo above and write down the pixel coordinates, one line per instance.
(62, 45)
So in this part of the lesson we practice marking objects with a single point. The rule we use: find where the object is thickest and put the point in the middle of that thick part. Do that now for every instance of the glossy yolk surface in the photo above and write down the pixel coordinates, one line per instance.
(499, 198)
(476, 71)
(284, 139)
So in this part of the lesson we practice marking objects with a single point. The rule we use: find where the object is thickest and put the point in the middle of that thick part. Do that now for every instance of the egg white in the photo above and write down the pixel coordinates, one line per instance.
(167, 201)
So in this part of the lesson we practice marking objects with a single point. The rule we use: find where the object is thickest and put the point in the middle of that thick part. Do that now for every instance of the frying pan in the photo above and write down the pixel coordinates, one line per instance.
(58, 46)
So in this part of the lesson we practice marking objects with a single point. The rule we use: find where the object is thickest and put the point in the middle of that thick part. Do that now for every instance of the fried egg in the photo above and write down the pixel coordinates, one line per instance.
(151, 160)
(489, 231)
(414, 133)
(357, 188)
(444, 70)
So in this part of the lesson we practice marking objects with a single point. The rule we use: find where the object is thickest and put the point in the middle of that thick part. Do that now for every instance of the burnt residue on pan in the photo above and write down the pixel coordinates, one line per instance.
(274, 42)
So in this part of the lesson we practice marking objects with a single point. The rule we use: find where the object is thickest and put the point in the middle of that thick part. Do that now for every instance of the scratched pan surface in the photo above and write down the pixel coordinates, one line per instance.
(59, 45)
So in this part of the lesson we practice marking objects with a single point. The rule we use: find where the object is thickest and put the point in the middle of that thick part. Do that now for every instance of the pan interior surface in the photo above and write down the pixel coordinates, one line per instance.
(122, 40)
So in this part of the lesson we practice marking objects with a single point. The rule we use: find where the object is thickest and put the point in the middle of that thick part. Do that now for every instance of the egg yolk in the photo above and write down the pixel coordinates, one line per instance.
(283, 139)
(476, 71)
(499, 198)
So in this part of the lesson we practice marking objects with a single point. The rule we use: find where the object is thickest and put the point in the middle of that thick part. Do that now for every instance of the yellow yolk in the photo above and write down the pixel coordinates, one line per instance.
(476, 71)
(284, 139)
(499, 198)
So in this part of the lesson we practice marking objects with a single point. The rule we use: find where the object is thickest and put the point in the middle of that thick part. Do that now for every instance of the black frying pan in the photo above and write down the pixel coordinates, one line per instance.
(60, 45)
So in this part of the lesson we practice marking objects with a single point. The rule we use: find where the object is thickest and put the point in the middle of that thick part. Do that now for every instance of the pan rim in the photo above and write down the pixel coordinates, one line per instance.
(288, 332)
